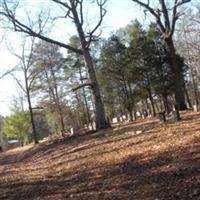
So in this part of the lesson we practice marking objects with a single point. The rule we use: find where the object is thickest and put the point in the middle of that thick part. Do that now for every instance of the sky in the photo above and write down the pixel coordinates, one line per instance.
(119, 14)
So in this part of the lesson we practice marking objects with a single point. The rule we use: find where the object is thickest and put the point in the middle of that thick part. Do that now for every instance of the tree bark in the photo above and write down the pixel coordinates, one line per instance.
(31, 112)
(187, 97)
(152, 102)
(130, 114)
(166, 103)
(127, 98)
(178, 78)
(32, 121)
(195, 88)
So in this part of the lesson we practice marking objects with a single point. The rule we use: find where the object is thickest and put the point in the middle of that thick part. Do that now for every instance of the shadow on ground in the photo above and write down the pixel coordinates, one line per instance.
(165, 176)
(170, 174)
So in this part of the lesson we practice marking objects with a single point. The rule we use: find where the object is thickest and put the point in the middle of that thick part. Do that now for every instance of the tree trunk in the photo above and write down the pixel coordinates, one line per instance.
(195, 88)
(131, 100)
(130, 114)
(187, 97)
(152, 102)
(30, 107)
(59, 110)
(32, 118)
(166, 103)
(85, 100)
(53, 93)
(178, 78)
(101, 122)
(196, 97)
(128, 104)
(134, 113)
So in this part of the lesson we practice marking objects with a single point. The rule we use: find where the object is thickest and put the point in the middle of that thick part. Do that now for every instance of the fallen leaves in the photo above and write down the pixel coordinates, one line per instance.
(139, 160)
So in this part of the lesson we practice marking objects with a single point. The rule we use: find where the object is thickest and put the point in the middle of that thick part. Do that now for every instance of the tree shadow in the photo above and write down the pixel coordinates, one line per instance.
(168, 175)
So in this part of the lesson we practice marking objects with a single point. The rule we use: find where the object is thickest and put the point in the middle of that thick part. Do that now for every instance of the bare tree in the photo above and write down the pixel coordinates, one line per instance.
(48, 65)
(189, 47)
(74, 10)
(166, 16)
(25, 66)
(7, 72)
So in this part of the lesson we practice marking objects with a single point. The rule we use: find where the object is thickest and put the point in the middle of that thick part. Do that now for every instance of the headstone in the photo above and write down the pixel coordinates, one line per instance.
(145, 114)
(149, 112)
(138, 132)
(195, 108)
(138, 114)
(114, 120)
(72, 131)
(162, 117)
(124, 117)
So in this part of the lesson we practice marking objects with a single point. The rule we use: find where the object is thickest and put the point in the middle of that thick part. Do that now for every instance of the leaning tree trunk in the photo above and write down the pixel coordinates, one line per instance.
(101, 122)
(178, 78)
(33, 123)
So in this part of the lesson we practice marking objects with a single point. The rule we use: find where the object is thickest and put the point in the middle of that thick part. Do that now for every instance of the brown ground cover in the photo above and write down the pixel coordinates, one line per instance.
(140, 160)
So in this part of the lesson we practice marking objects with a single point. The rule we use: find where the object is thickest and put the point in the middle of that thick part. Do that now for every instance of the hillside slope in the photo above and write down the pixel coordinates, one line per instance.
(161, 162)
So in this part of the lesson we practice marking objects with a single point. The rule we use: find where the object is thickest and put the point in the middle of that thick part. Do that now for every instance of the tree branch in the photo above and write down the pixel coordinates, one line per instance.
(182, 2)
(165, 14)
(196, 20)
(176, 15)
(19, 83)
(81, 11)
(62, 4)
(102, 13)
(7, 73)
(21, 27)
(82, 85)
(155, 13)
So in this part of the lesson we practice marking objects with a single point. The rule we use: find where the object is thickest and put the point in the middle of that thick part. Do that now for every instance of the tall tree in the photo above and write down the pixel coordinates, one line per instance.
(189, 47)
(166, 17)
(25, 66)
(49, 64)
(142, 57)
(116, 73)
(74, 10)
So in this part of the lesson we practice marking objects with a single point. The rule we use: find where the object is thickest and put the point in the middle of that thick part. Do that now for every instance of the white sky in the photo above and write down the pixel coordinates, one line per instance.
(119, 14)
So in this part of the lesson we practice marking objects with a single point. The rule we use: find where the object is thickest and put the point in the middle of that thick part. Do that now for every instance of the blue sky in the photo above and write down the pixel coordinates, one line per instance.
(119, 14)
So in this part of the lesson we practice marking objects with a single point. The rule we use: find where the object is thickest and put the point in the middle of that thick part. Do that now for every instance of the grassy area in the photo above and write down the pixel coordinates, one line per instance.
(140, 160)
